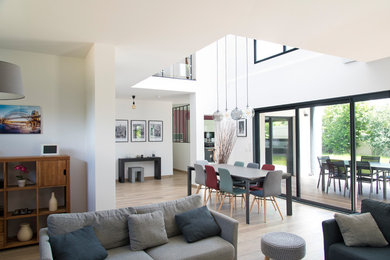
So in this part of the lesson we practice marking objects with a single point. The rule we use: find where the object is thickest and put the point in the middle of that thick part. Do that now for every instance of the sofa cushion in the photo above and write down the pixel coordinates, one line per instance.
(380, 211)
(170, 209)
(212, 248)
(124, 252)
(360, 230)
(110, 225)
(79, 244)
(339, 251)
(197, 224)
(147, 230)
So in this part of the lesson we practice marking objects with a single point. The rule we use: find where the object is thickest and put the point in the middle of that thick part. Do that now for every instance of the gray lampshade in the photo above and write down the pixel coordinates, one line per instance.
(10, 81)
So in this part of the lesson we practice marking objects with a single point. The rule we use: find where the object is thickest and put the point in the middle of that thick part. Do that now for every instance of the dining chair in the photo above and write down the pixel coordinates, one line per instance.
(268, 167)
(212, 183)
(239, 164)
(364, 174)
(226, 187)
(253, 165)
(369, 158)
(323, 167)
(337, 170)
(272, 187)
(200, 179)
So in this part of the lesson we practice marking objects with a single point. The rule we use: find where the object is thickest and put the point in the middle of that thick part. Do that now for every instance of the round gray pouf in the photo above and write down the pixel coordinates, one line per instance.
(283, 246)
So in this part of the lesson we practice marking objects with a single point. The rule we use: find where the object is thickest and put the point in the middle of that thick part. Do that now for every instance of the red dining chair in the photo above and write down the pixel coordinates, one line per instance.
(212, 183)
(268, 167)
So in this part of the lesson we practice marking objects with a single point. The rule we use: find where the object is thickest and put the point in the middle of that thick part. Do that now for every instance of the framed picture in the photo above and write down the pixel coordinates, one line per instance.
(121, 131)
(138, 130)
(20, 119)
(155, 131)
(241, 128)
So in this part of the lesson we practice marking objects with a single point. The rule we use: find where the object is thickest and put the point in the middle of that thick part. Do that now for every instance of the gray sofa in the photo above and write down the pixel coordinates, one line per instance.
(112, 231)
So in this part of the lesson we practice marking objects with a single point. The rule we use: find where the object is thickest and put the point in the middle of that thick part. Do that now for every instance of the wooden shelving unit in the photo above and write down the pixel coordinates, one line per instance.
(49, 173)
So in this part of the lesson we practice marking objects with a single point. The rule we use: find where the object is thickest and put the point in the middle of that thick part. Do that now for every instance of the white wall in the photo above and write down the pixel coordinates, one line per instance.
(56, 84)
(147, 110)
(295, 77)
(181, 156)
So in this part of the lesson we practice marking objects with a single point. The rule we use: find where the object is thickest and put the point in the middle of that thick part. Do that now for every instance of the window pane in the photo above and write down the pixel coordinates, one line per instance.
(267, 49)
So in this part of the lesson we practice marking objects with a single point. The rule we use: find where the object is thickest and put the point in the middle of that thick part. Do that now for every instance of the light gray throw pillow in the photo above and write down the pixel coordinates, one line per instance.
(147, 230)
(360, 230)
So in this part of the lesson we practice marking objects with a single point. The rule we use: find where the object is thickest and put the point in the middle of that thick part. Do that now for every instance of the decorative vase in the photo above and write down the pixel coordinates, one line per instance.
(21, 183)
(53, 203)
(25, 232)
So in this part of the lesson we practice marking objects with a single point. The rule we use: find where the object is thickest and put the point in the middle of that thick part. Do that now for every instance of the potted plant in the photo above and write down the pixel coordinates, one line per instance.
(22, 175)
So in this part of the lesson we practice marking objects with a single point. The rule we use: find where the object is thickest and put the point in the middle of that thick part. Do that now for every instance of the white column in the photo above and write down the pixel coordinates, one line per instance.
(100, 81)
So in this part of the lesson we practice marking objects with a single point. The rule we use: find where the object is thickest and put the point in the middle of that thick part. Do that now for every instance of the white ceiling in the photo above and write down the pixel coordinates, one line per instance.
(153, 34)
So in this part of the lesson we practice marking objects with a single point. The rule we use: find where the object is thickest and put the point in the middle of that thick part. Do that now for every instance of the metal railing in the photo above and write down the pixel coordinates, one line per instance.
(184, 69)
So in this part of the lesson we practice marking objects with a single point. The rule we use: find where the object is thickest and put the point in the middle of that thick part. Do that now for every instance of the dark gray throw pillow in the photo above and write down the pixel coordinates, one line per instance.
(81, 244)
(380, 211)
(197, 224)
(147, 230)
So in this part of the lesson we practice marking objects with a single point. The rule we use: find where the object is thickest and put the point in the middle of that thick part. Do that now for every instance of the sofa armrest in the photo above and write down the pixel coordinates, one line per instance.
(229, 229)
(332, 235)
(44, 245)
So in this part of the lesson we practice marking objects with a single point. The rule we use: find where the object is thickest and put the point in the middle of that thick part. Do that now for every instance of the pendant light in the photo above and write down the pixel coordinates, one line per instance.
(226, 114)
(248, 112)
(217, 116)
(11, 86)
(133, 106)
(236, 113)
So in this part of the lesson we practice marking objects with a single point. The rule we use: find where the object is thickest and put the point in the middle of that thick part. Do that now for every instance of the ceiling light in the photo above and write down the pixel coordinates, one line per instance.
(133, 106)
(10, 81)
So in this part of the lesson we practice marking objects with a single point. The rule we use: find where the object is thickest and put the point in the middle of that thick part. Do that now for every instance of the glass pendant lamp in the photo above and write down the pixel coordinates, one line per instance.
(236, 113)
(248, 112)
(217, 116)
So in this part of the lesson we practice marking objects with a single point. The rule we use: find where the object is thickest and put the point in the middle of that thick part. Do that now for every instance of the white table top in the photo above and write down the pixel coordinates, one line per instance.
(242, 172)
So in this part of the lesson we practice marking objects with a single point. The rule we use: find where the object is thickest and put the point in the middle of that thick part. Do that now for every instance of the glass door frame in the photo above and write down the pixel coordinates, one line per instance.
(324, 102)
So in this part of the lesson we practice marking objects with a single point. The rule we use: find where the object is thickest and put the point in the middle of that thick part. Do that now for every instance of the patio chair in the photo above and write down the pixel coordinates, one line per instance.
(323, 167)
(368, 158)
(226, 187)
(337, 170)
(364, 174)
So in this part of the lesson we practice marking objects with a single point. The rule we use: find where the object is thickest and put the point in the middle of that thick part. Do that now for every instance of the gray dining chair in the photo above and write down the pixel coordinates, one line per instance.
(323, 167)
(200, 179)
(239, 164)
(272, 187)
(253, 165)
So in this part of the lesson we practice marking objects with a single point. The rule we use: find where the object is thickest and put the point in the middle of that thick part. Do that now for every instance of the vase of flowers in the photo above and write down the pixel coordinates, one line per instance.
(21, 175)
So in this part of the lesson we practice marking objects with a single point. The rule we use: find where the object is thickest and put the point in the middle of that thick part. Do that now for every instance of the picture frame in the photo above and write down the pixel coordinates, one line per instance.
(241, 128)
(138, 130)
(121, 131)
(156, 130)
(20, 119)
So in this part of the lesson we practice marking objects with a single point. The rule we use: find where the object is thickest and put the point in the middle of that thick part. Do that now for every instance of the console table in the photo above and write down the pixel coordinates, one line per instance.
(122, 161)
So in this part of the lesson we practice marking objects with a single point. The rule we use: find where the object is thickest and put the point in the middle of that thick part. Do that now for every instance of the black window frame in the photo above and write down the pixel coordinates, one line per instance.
(285, 51)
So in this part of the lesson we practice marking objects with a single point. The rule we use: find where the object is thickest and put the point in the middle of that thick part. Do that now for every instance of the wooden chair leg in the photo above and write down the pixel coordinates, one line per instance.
(198, 189)
(209, 196)
(231, 206)
(205, 195)
(216, 198)
(265, 210)
(258, 206)
(273, 204)
(220, 206)
(253, 202)
(266, 258)
(280, 213)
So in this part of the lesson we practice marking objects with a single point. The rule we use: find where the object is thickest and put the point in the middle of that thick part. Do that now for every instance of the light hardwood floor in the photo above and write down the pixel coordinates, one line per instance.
(306, 220)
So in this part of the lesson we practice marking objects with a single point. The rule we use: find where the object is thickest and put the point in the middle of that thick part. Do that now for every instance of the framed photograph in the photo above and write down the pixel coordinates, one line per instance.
(121, 131)
(155, 131)
(241, 128)
(138, 130)
(20, 119)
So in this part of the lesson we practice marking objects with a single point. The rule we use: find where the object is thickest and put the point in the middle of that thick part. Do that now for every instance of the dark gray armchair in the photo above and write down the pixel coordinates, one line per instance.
(334, 247)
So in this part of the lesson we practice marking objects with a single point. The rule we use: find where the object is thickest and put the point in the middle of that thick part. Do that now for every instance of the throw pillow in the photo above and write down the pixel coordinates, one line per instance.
(197, 224)
(360, 230)
(147, 230)
(81, 244)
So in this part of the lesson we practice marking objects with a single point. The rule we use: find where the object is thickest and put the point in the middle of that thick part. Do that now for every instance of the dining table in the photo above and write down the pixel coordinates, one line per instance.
(247, 175)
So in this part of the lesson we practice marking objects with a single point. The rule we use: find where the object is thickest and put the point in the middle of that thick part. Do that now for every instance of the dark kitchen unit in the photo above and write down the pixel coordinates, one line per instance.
(209, 146)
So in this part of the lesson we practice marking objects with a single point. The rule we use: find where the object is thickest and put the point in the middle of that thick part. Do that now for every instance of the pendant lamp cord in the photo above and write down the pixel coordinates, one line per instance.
(247, 74)
(217, 81)
(235, 51)
(226, 70)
